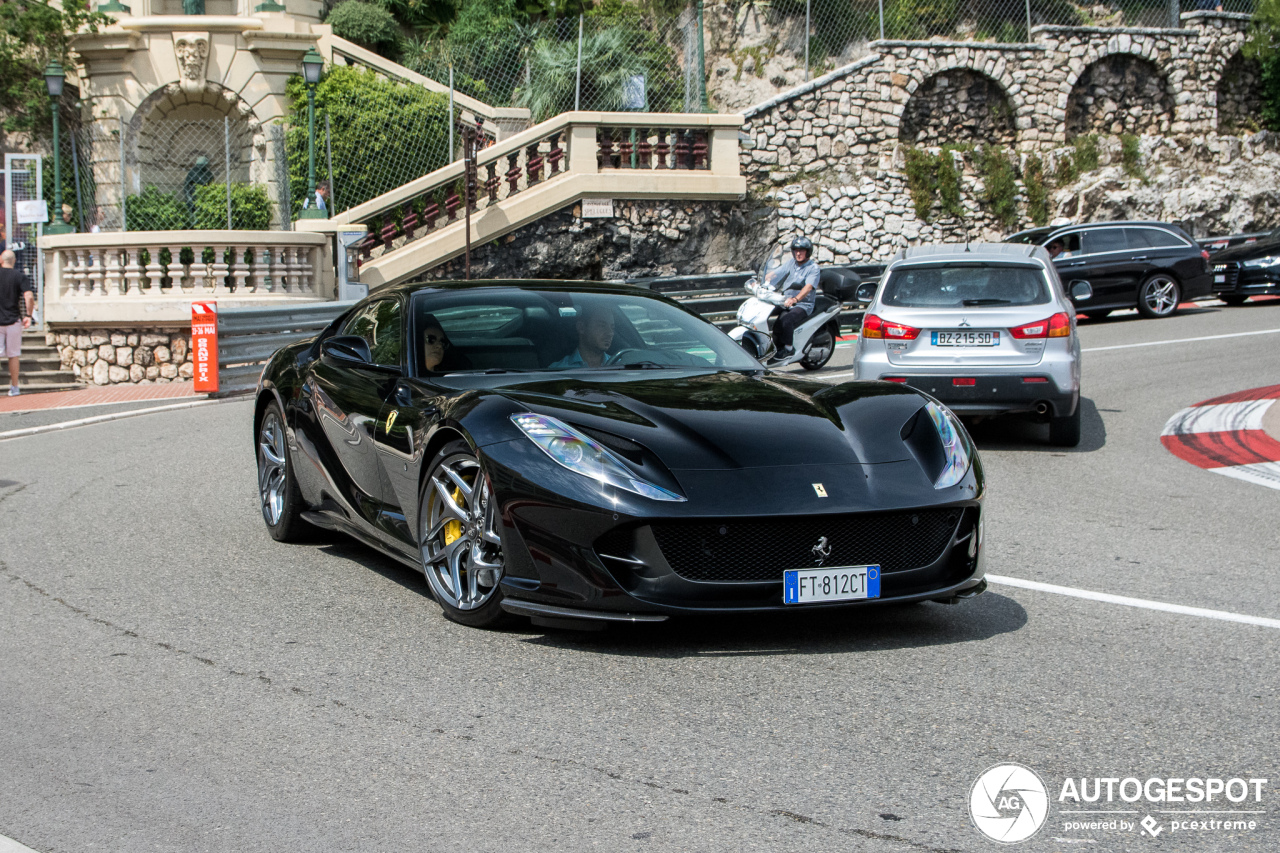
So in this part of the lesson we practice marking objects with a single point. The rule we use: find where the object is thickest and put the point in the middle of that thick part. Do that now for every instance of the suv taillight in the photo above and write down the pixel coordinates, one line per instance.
(1057, 326)
(876, 327)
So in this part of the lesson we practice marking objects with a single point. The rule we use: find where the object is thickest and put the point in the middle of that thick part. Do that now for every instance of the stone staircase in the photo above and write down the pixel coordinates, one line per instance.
(40, 367)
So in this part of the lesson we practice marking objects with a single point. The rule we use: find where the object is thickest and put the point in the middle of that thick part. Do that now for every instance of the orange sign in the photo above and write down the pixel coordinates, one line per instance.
(204, 345)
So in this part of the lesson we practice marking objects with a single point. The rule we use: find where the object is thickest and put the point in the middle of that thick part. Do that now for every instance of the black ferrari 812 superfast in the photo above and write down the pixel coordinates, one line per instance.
(581, 454)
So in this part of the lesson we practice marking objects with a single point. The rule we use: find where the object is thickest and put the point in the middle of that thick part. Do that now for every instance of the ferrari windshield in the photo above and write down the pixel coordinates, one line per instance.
(518, 329)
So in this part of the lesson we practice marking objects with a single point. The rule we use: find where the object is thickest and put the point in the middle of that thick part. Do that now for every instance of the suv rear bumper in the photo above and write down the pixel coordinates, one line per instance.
(994, 394)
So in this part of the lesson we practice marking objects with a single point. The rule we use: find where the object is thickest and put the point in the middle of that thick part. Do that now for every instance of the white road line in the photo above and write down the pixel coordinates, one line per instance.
(1183, 340)
(1135, 602)
(8, 845)
(98, 419)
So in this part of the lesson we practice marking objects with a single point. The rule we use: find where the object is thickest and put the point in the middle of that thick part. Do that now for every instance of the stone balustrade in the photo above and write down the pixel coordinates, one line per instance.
(153, 276)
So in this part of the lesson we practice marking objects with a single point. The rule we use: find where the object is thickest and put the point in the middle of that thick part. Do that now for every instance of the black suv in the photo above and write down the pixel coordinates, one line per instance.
(1249, 270)
(1152, 266)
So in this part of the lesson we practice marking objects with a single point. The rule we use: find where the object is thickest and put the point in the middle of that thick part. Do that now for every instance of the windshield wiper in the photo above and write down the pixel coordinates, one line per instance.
(971, 302)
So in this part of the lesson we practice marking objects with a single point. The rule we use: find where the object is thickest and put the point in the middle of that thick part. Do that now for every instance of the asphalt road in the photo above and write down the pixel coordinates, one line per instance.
(173, 680)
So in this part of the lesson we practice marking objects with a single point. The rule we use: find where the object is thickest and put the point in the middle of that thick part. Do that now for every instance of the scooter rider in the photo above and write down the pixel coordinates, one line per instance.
(797, 278)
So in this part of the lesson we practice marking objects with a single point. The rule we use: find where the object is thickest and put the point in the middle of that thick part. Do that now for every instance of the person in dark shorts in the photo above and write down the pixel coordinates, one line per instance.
(16, 293)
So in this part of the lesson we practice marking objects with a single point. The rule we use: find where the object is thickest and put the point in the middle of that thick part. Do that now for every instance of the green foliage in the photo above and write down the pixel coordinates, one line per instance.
(1131, 156)
(31, 34)
(1086, 156)
(374, 122)
(250, 207)
(949, 179)
(922, 181)
(1000, 188)
(919, 19)
(156, 210)
(607, 62)
(1264, 46)
(1037, 185)
(365, 24)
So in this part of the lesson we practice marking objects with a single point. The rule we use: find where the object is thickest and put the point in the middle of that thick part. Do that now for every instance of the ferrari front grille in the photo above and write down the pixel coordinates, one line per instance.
(762, 549)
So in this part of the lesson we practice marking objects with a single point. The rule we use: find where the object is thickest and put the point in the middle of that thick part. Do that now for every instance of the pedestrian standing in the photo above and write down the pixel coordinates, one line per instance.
(16, 293)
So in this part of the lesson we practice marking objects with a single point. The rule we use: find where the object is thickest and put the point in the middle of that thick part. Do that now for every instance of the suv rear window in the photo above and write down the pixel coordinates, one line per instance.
(965, 286)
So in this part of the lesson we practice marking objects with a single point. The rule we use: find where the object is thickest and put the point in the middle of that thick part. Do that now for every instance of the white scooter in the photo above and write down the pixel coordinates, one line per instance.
(815, 338)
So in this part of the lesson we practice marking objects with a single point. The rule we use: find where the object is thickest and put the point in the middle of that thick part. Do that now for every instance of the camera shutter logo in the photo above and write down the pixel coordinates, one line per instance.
(1008, 803)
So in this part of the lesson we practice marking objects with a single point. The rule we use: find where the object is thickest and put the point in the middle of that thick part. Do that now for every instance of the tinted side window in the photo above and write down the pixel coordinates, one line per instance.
(1153, 238)
(380, 324)
(1105, 240)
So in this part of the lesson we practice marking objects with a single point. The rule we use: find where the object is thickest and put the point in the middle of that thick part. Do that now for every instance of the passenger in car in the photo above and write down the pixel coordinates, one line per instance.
(438, 354)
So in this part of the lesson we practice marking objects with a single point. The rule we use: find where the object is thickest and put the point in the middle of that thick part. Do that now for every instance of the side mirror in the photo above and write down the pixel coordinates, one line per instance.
(349, 348)
(866, 291)
(1080, 290)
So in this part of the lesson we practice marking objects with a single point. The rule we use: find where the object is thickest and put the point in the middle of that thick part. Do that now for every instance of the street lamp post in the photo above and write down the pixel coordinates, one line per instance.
(312, 65)
(54, 78)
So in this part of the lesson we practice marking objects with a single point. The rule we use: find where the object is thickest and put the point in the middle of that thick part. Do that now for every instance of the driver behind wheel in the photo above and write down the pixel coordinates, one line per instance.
(797, 278)
(595, 336)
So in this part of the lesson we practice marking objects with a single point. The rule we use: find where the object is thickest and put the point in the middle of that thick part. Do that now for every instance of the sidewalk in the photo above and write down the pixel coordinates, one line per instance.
(94, 395)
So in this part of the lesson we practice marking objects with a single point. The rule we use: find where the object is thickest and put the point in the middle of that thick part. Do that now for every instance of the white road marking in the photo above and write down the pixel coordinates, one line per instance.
(1219, 417)
(1183, 340)
(1135, 602)
(98, 419)
(1259, 473)
(8, 845)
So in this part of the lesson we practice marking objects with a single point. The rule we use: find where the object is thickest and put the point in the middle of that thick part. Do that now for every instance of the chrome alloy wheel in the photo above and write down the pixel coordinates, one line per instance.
(272, 471)
(1160, 295)
(461, 549)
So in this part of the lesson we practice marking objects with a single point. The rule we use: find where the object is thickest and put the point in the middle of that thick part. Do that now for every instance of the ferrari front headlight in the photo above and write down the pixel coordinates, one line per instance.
(956, 450)
(582, 455)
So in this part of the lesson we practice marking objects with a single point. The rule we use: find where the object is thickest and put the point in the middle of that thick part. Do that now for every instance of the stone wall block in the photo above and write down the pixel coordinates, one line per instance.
(124, 356)
(107, 353)
(117, 374)
(101, 373)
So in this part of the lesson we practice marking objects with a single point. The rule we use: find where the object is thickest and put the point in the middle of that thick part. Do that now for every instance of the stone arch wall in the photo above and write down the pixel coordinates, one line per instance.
(958, 104)
(1239, 93)
(177, 124)
(1120, 93)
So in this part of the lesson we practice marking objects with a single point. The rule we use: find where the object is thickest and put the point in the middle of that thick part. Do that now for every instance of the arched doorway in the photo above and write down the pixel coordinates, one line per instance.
(181, 140)
(958, 105)
(1120, 93)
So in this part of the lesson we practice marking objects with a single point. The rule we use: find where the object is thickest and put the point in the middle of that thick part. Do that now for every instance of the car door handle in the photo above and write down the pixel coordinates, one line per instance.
(1138, 258)
(1074, 264)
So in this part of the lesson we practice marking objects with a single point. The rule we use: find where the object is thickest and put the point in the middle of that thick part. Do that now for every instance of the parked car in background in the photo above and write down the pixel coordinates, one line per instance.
(1213, 245)
(1153, 266)
(1251, 269)
(985, 328)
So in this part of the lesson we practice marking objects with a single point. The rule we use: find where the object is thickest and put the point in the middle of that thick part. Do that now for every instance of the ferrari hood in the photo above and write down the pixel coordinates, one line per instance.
(729, 420)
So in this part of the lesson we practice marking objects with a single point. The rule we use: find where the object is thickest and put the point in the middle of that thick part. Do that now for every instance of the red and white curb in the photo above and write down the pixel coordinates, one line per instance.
(1225, 435)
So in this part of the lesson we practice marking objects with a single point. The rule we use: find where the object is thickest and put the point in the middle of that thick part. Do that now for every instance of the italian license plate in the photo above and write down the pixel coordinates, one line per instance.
(966, 339)
(842, 583)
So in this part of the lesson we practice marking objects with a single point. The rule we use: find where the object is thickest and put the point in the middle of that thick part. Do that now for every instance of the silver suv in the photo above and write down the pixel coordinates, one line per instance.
(986, 328)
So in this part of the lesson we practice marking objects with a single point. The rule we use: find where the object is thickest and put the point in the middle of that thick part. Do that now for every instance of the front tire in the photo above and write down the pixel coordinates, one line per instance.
(278, 492)
(820, 349)
(458, 538)
(1065, 432)
(1159, 296)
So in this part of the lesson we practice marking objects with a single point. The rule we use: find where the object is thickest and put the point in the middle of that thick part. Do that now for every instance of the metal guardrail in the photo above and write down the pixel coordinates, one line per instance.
(248, 337)
(716, 296)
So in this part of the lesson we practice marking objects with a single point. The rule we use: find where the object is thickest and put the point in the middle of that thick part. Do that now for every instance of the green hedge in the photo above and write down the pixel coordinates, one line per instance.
(156, 210)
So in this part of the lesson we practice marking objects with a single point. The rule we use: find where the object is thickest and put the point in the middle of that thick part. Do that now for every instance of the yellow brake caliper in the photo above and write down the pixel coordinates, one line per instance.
(453, 529)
